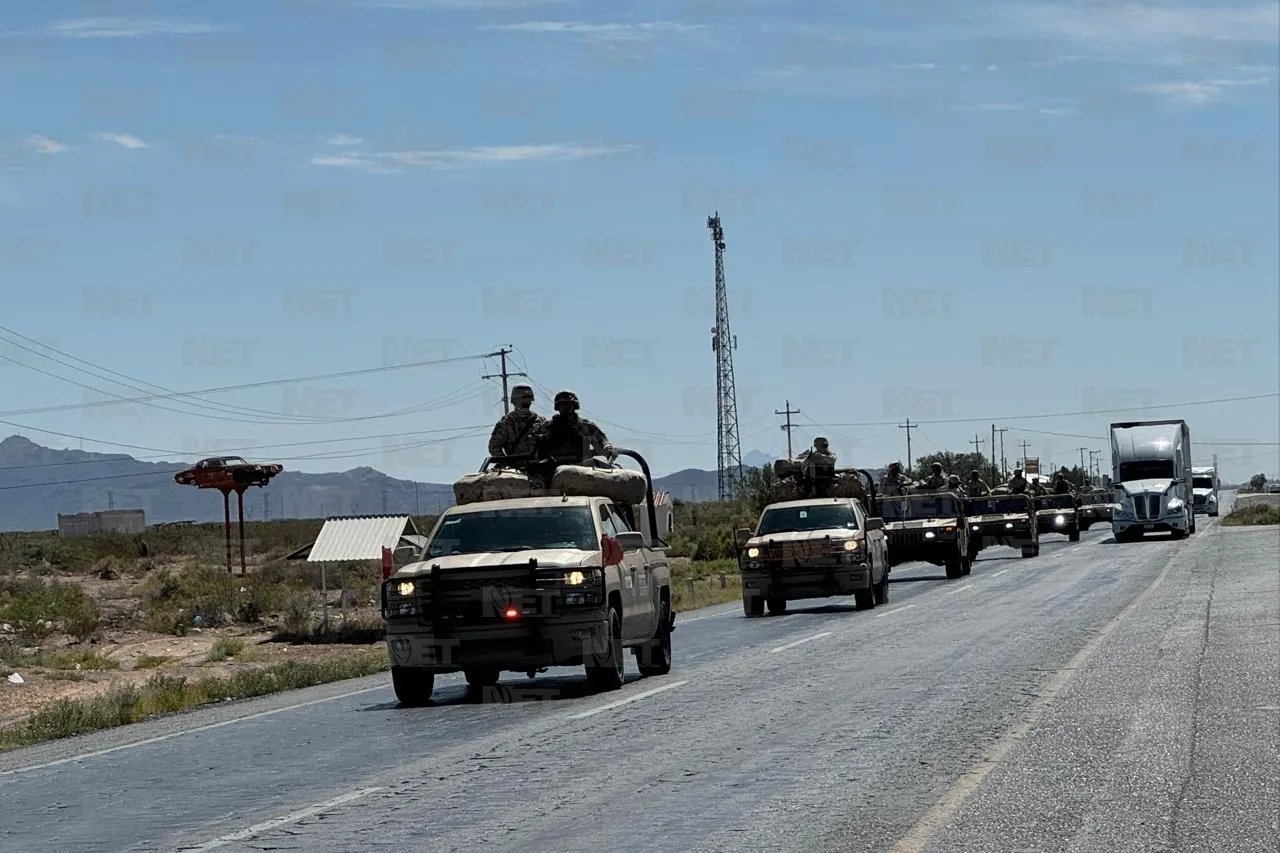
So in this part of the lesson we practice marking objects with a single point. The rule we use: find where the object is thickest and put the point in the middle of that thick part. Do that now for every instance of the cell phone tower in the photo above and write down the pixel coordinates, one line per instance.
(723, 343)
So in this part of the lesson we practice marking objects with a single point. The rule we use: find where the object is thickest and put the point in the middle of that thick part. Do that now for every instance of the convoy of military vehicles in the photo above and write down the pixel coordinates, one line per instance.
(552, 565)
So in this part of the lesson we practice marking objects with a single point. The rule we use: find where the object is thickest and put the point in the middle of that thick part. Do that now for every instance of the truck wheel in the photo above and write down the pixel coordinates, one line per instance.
(1179, 534)
(1074, 534)
(752, 605)
(864, 599)
(606, 673)
(777, 606)
(413, 686)
(654, 657)
(882, 590)
(482, 677)
(1030, 551)
(954, 564)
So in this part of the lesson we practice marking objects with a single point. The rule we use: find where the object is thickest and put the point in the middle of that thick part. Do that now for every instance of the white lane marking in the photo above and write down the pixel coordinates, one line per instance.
(997, 574)
(645, 695)
(210, 727)
(274, 823)
(894, 610)
(961, 589)
(936, 819)
(801, 642)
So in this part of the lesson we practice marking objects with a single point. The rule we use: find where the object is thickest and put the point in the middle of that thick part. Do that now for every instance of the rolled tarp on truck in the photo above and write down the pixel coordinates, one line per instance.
(620, 485)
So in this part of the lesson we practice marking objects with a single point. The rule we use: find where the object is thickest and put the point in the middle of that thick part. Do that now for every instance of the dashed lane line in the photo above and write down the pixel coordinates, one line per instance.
(801, 642)
(636, 698)
(960, 589)
(276, 823)
(894, 610)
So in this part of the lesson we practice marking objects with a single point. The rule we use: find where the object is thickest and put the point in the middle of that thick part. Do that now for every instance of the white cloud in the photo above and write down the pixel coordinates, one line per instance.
(462, 158)
(611, 32)
(914, 66)
(85, 28)
(1198, 93)
(343, 140)
(45, 145)
(125, 140)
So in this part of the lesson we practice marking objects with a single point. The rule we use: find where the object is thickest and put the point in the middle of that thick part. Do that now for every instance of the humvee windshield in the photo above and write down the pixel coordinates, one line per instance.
(794, 519)
(998, 506)
(485, 531)
(913, 507)
(1057, 502)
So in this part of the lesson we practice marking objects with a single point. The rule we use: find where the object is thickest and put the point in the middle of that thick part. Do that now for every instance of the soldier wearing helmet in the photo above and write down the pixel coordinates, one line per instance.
(515, 433)
(936, 479)
(976, 487)
(894, 482)
(1017, 483)
(569, 439)
(1061, 485)
(954, 484)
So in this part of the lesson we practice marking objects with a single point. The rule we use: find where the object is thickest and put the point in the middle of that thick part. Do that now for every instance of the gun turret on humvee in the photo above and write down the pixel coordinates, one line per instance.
(928, 527)
(522, 576)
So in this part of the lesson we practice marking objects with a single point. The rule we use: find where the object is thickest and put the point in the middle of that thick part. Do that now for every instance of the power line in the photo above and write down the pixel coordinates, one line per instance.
(504, 373)
(244, 386)
(1061, 414)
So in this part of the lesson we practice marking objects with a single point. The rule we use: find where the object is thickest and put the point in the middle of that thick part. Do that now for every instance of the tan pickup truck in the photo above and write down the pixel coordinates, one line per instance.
(525, 584)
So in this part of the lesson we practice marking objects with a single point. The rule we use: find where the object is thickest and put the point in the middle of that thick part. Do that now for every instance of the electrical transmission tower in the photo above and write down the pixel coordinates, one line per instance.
(723, 343)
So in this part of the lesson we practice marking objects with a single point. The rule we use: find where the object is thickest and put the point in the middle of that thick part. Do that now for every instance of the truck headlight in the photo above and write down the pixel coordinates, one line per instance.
(1008, 525)
(929, 534)
(753, 552)
(852, 545)
(405, 588)
(975, 528)
(1059, 520)
(575, 578)
(1174, 505)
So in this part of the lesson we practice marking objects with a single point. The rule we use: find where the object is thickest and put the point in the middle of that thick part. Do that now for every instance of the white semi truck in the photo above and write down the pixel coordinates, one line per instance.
(1204, 487)
(1151, 479)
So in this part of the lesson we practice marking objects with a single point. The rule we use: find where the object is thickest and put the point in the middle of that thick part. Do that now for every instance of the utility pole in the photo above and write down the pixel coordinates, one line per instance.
(266, 506)
(995, 466)
(908, 426)
(1082, 473)
(1004, 467)
(111, 499)
(1095, 467)
(502, 354)
(977, 442)
(787, 427)
(1024, 445)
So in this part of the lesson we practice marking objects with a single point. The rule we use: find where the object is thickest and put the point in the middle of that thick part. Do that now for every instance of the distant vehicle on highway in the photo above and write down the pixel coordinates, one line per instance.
(227, 471)
(1273, 487)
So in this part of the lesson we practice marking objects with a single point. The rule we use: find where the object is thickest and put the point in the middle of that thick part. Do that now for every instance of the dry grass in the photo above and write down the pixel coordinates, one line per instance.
(1252, 514)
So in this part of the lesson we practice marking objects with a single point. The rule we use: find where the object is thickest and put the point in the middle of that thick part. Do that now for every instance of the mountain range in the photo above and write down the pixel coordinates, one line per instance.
(37, 483)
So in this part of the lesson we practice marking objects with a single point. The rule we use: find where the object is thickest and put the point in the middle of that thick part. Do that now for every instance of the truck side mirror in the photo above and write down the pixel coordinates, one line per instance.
(875, 524)
(742, 536)
(611, 551)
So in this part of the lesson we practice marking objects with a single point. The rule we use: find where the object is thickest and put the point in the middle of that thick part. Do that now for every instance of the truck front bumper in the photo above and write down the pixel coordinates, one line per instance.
(1168, 524)
(518, 646)
(797, 582)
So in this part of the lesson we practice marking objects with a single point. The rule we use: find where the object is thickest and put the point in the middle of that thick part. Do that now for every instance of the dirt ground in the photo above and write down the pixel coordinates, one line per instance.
(141, 655)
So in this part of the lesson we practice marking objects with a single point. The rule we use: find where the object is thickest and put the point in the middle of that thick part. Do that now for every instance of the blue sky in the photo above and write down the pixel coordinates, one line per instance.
(962, 213)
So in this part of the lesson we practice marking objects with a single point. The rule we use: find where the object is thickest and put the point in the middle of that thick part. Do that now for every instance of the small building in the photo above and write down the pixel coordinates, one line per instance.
(359, 538)
(107, 521)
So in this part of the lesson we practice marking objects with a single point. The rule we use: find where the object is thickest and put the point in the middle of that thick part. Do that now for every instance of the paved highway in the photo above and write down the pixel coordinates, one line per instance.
(1096, 698)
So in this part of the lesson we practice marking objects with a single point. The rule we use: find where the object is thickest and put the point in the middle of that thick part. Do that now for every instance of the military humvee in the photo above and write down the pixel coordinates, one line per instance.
(1095, 508)
(813, 548)
(524, 584)
(1058, 514)
(1008, 520)
(928, 527)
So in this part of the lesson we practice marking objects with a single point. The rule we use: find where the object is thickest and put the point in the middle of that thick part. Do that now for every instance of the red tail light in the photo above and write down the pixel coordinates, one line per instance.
(512, 613)
(388, 562)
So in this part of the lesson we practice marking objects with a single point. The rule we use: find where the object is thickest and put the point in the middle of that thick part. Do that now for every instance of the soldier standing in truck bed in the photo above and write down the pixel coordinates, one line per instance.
(894, 484)
(1017, 483)
(568, 438)
(516, 432)
(936, 479)
(976, 487)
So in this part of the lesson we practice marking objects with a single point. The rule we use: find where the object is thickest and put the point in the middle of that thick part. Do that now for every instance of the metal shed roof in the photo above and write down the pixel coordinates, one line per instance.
(358, 538)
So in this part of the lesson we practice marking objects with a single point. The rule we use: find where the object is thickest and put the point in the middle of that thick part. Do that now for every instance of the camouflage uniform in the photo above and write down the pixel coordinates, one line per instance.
(1017, 483)
(1037, 488)
(1061, 486)
(954, 484)
(515, 433)
(894, 483)
(936, 479)
(976, 487)
(569, 439)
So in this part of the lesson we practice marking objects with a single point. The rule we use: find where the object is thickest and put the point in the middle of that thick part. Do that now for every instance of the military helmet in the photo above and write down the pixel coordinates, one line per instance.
(973, 475)
(895, 466)
(567, 397)
(937, 466)
(521, 392)
(820, 442)
(954, 478)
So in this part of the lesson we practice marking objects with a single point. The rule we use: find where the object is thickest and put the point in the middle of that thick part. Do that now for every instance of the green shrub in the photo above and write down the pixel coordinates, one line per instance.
(36, 608)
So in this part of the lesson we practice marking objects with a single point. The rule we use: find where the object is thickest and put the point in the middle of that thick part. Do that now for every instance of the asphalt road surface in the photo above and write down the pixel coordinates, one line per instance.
(1099, 697)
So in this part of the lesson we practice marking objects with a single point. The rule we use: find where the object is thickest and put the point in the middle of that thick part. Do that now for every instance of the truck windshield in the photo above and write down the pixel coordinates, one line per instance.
(1147, 469)
(794, 519)
(914, 507)
(1202, 483)
(998, 506)
(487, 531)
(1057, 502)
